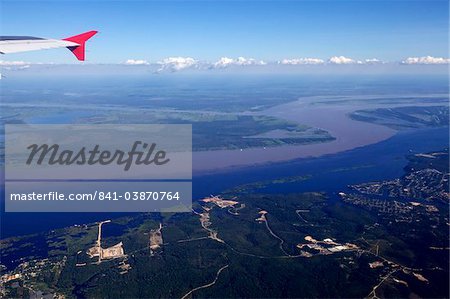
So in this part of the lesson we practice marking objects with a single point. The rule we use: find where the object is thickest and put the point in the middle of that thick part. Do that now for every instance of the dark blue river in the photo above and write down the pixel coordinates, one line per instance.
(330, 174)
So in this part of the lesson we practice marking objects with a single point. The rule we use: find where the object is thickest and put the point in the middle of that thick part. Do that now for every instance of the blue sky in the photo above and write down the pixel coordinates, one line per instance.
(208, 30)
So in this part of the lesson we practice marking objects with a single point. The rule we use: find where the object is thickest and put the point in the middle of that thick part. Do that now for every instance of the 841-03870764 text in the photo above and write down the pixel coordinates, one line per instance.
(98, 195)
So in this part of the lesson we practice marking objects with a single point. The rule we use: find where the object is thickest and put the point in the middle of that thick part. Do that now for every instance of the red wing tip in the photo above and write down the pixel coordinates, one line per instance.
(83, 37)
(90, 33)
(80, 39)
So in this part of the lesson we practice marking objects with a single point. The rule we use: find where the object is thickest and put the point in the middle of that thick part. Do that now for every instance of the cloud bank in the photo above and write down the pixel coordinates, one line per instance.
(298, 61)
(13, 63)
(426, 60)
(180, 63)
(136, 62)
(240, 61)
(177, 63)
(342, 60)
(372, 61)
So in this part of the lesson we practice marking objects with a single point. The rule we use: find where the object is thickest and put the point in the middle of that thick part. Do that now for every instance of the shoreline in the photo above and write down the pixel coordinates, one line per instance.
(348, 133)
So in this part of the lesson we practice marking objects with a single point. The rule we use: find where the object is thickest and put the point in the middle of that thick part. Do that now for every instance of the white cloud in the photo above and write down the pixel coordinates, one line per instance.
(176, 63)
(297, 61)
(373, 61)
(223, 62)
(347, 60)
(342, 60)
(13, 63)
(136, 62)
(426, 60)
(240, 61)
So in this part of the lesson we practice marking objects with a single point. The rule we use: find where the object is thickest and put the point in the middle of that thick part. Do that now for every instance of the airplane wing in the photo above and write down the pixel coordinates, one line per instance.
(76, 44)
